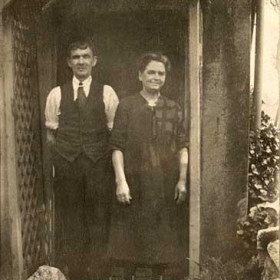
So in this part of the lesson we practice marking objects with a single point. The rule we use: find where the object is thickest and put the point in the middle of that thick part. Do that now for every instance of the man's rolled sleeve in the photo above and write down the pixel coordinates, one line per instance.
(111, 102)
(52, 109)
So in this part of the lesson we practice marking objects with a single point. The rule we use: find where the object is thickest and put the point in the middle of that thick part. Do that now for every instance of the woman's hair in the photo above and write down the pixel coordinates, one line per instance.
(146, 58)
(83, 44)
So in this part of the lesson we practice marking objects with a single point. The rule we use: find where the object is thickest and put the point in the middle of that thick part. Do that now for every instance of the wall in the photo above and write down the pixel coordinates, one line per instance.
(5, 261)
(22, 218)
(225, 111)
(9, 264)
(225, 114)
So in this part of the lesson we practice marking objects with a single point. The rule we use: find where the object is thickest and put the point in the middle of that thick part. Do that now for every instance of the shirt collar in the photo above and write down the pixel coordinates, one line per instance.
(86, 82)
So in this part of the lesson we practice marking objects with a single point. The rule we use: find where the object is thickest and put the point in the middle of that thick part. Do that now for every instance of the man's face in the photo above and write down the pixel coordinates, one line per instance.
(81, 62)
(153, 77)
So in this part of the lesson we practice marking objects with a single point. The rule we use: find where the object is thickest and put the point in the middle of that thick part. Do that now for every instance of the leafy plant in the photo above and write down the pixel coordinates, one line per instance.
(262, 179)
(263, 162)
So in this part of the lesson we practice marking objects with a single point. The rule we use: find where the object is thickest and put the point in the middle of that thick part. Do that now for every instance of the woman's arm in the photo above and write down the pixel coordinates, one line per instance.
(180, 189)
(122, 191)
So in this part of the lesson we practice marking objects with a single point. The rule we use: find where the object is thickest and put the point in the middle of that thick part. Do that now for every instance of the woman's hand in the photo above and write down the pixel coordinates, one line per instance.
(123, 193)
(180, 191)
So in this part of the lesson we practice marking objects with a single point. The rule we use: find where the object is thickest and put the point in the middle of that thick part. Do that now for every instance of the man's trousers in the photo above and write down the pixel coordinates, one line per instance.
(83, 193)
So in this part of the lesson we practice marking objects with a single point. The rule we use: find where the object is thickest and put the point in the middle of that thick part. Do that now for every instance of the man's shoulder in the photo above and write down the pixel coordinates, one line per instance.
(107, 87)
(97, 85)
(55, 91)
(60, 86)
(66, 84)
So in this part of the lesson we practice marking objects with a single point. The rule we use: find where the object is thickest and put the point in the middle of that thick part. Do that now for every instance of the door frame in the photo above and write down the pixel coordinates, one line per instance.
(194, 91)
(193, 95)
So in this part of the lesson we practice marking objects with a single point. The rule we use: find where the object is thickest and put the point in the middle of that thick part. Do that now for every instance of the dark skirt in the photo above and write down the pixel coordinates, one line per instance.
(153, 229)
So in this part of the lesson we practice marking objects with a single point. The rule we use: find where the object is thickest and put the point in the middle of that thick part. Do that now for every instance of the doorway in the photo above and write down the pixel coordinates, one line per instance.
(120, 38)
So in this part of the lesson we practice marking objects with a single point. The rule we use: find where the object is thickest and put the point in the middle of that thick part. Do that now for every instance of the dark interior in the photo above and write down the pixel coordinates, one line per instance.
(120, 38)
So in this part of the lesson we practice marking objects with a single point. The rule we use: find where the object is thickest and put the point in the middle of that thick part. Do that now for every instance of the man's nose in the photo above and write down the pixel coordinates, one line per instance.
(81, 60)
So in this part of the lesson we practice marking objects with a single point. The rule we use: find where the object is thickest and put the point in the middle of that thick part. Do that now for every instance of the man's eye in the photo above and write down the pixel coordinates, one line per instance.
(75, 57)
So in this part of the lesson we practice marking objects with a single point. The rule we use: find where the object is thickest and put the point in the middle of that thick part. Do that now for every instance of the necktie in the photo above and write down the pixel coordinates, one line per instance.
(81, 95)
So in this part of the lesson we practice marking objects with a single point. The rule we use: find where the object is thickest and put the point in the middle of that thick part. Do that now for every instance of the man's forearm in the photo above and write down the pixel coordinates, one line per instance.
(183, 164)
(51, 136)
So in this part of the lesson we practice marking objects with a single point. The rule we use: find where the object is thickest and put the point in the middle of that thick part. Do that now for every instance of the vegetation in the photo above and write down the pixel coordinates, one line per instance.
(262, 180)
(216, 269)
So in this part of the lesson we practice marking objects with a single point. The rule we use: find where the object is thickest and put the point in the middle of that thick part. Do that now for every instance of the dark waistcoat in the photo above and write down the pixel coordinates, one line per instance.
(82, 130)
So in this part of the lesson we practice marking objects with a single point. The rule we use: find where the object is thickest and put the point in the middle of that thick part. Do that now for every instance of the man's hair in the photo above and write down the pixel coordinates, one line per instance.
(146, 58)
(82, 44)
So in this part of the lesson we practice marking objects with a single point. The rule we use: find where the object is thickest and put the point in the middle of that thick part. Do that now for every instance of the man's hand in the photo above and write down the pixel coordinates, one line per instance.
(51, 137)
(180, 191)
(123, 193)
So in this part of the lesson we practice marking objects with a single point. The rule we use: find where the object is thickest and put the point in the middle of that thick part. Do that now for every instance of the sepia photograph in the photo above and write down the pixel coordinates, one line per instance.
(139, 139)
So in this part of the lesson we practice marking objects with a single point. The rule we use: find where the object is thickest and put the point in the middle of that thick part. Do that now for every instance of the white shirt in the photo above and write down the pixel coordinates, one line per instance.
(52, 110)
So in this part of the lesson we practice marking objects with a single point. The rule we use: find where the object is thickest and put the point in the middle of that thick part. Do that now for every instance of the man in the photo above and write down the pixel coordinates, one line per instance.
(79, 116)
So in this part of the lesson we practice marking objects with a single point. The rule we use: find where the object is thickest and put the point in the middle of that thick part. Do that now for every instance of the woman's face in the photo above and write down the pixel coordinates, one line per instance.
(153, 77)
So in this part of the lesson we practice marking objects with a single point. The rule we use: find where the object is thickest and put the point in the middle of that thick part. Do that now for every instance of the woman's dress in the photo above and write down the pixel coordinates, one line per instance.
(153, 228)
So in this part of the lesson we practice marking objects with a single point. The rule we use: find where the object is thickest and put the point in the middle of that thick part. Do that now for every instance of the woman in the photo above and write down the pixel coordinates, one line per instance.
(150, 160)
